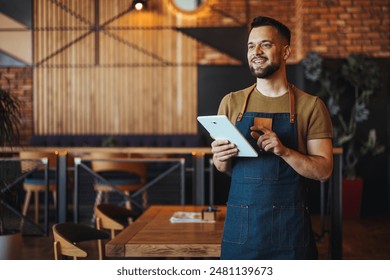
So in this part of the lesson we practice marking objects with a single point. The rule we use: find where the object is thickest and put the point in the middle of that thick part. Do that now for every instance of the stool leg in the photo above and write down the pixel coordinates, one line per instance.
(145, 199)
(57, 250)
(99, 241)
(105, 197)
(36, 206)
(98, 200)
(127, 203)
(100, 249)
(26, 202)
(54, 198)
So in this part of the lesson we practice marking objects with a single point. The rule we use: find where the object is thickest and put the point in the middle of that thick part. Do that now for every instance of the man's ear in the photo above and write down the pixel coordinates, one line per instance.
(286, 52)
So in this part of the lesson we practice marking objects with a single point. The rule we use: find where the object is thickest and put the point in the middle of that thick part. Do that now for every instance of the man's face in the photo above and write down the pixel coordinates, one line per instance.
(265, 51)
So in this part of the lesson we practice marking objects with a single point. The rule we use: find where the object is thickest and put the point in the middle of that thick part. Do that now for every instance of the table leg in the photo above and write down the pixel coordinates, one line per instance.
(62, 193)
(336, 233)
(198, 186)
(211, 182)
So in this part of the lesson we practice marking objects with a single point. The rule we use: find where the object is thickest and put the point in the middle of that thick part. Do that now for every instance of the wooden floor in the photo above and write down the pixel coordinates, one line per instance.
(364, 239)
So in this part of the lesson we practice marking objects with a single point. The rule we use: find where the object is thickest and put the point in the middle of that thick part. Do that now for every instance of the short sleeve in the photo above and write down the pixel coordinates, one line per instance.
(224, 105)
(225, 108)
(320, 123)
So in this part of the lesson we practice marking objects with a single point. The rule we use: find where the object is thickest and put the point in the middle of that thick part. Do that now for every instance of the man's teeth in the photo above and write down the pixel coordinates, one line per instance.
(260, 60)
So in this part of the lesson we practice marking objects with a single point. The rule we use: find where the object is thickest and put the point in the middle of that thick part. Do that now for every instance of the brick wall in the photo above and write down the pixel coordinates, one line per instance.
(21, 87)
(336, 28)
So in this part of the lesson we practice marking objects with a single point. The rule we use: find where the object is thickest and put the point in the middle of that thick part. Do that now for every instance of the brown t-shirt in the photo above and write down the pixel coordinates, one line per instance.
(312, 116)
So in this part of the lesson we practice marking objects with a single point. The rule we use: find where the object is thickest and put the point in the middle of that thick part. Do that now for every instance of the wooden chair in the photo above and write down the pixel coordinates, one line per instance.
(35, 183)
(67, 237)
(113, 217)
(125, 176)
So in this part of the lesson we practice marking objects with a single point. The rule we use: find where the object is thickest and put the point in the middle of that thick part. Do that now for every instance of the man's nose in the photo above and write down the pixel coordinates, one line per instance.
(259, 48)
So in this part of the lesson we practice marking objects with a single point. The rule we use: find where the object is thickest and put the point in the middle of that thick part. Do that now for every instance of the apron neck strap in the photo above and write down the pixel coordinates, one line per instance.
(243, 108)
(291, 98)
(292, 104)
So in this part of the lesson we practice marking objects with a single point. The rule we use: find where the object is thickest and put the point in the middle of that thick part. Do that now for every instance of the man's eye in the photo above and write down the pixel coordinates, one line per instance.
(266, 46)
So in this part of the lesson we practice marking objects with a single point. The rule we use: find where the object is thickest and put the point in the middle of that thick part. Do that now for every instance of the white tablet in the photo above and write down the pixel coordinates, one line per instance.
(220, 127)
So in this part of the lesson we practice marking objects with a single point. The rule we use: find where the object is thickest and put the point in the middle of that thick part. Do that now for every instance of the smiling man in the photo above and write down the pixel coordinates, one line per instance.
(267, 215)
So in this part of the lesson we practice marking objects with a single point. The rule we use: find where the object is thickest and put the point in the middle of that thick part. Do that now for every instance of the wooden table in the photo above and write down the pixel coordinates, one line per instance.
(153, 235)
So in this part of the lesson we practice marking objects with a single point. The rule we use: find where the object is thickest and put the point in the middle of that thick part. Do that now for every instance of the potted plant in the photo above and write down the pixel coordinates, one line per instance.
(347, 91)
(10, 238)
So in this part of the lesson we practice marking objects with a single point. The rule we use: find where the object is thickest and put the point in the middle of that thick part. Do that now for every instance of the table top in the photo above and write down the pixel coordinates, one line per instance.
(143, 150)
(153, 235)
(195, 151)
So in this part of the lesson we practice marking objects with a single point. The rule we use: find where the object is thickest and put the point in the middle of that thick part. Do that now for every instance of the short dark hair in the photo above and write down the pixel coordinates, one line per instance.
(283, 30)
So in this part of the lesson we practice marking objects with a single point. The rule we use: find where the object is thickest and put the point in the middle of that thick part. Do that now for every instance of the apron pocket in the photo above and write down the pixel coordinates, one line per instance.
(290, 226)
(236, 224)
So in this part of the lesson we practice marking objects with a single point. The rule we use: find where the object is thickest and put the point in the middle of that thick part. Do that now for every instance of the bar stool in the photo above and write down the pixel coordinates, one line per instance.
(35, 182)
(125, 176)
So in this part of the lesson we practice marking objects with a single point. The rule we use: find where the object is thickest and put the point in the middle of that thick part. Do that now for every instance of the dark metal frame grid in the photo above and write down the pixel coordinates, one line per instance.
(43, 162)
(95, 27)
(81, 163)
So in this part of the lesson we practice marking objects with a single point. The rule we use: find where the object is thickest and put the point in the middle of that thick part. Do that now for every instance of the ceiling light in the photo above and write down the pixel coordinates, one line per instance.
(139, 5)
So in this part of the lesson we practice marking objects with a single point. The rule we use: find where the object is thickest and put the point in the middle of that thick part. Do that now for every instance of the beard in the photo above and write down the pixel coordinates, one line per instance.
(266, 72)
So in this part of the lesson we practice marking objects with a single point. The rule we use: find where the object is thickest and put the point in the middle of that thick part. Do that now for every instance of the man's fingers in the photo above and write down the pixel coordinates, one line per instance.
(224, 156)
(223, 149)
(260, 128)
(220, 142)
(255, 135)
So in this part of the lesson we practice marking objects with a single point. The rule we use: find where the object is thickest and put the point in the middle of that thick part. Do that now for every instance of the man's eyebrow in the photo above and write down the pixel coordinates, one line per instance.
(263, 41)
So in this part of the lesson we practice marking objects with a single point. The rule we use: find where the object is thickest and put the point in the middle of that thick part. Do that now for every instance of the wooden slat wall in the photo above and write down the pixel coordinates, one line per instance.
(143, 79)
(139, 74)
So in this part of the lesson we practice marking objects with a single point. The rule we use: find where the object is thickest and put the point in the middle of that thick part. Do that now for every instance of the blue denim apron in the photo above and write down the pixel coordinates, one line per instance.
(267, 214)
